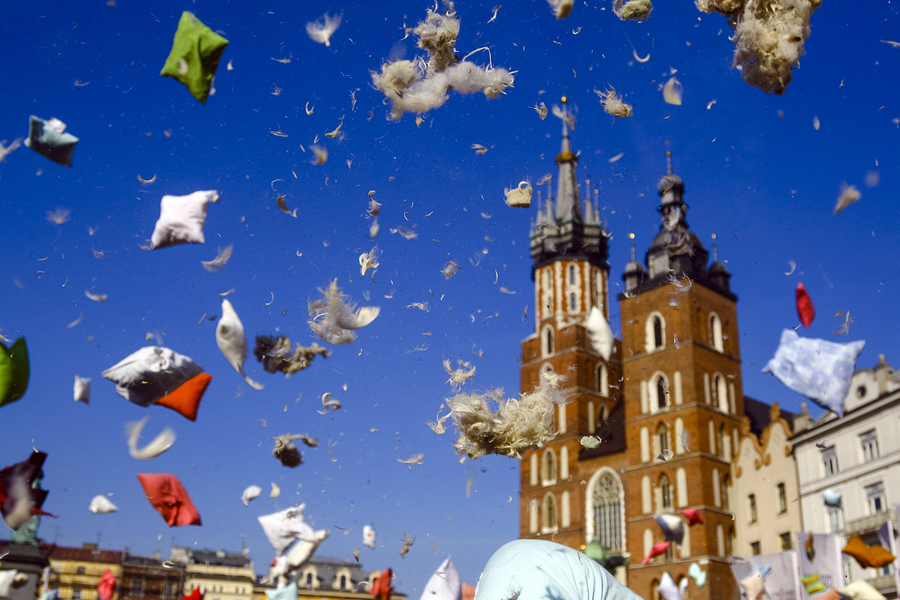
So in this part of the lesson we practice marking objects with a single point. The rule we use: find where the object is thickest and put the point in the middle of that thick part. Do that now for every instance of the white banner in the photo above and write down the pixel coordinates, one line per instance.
(820, 563)
(781, 583)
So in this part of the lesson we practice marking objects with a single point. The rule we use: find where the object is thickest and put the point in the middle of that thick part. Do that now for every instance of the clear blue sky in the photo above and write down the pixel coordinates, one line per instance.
(764, 185)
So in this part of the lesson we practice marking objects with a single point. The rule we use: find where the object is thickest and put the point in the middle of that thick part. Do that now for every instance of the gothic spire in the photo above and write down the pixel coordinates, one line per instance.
(568, 203)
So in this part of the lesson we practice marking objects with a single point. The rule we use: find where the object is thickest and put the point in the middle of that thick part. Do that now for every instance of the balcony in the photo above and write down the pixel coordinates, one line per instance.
(883, 583)
(869, 523)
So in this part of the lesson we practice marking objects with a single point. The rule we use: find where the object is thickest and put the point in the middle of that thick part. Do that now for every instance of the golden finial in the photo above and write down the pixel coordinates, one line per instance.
(564, 99)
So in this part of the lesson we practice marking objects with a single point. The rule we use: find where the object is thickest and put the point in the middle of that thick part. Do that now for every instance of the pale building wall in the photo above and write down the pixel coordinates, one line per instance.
(758, 467)
(872, 404)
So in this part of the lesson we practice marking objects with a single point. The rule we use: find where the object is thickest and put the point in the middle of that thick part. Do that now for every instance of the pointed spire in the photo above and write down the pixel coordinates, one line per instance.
(669, 161)
(715, 254)
(568, 205)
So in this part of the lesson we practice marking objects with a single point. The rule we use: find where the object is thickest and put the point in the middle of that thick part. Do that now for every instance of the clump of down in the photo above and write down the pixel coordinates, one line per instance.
(418, 86)
(514, 427)
(768, 38)
(613, 104)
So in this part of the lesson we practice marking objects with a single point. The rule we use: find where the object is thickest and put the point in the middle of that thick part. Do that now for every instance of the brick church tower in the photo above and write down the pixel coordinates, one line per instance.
(570, 273)
(665, 406)
(682, 369)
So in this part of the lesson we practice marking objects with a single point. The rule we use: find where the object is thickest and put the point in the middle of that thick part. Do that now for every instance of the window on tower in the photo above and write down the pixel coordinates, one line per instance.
(602, 380)
(547, 340)
(572, 301)
(606, 499)
(549, 513)
(548, 468)
(715, 333)
(665, 493)
(663, 438)
(661, 392)
(654, 332)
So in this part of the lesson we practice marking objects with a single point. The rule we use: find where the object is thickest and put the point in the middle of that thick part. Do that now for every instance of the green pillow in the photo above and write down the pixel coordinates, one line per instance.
(14, 371)
(195, 55)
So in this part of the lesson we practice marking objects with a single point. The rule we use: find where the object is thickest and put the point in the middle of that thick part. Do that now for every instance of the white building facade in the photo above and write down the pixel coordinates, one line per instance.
(858, 457)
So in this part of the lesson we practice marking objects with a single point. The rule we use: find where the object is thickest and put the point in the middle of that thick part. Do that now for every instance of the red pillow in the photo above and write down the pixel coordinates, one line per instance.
(186, 399)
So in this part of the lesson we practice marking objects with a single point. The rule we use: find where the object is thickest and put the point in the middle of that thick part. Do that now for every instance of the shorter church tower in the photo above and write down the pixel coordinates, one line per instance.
(682, 369)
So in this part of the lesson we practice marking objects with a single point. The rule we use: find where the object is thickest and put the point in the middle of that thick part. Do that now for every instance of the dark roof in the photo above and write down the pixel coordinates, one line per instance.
(758, 413)
(611, 433)
(212, 557)
(326, 568)
(85, 554)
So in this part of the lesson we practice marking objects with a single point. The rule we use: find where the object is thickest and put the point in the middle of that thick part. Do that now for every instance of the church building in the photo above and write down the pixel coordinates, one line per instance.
(666, 406)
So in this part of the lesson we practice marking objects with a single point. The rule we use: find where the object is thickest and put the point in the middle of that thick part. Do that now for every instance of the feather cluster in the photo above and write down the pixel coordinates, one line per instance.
(276, 354)
(768, 38)
(418, 86)
(613, 104)
(334, 317)
(515, 426)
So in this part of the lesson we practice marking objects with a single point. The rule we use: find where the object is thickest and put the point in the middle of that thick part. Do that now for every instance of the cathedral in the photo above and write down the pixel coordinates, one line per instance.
(666, 406)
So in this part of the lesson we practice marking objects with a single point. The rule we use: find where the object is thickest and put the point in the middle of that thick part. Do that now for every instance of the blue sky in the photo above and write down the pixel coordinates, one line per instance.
(759, 176)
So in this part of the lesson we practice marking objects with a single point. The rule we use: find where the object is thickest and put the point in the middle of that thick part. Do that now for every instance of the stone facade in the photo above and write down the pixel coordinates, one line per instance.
(857, 456)
(766, 494)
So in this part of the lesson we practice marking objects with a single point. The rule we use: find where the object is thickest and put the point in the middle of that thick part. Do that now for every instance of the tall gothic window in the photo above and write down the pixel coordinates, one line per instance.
(548, 470)
(549, 513)
(657, 332)
(608, 512)
(663, 438)
(661, 392)
(665, 491)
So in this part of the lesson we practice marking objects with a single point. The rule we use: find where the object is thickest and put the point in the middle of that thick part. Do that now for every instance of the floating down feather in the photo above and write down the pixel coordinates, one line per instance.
(232, 342)
(160, 443)
(334, 317)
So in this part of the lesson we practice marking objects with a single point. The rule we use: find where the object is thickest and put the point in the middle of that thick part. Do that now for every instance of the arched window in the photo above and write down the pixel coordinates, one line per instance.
(663, 436)
(343, 581)
(646, 506)
(547, 340)
(654, 590)
(726, 483)
(645, 445)
(715, 332)
(572, 301)
(548, 513)
(602, 380)
(606, 499)
(661, 392)
(571, 274)
(680, 441)
(533, 516)
(655, 332)
(548, 467)
(720, 440)
(720, 393)
(681, 487)
(309, 579)
(665, 493)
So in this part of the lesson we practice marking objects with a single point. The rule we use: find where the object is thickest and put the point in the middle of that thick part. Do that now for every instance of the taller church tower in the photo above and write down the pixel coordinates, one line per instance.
(682, 369)
(570, 273)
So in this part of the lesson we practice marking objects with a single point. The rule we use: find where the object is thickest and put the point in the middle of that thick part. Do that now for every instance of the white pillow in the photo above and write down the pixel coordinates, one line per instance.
(181, 219)
(150, 373)
(860, 590)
